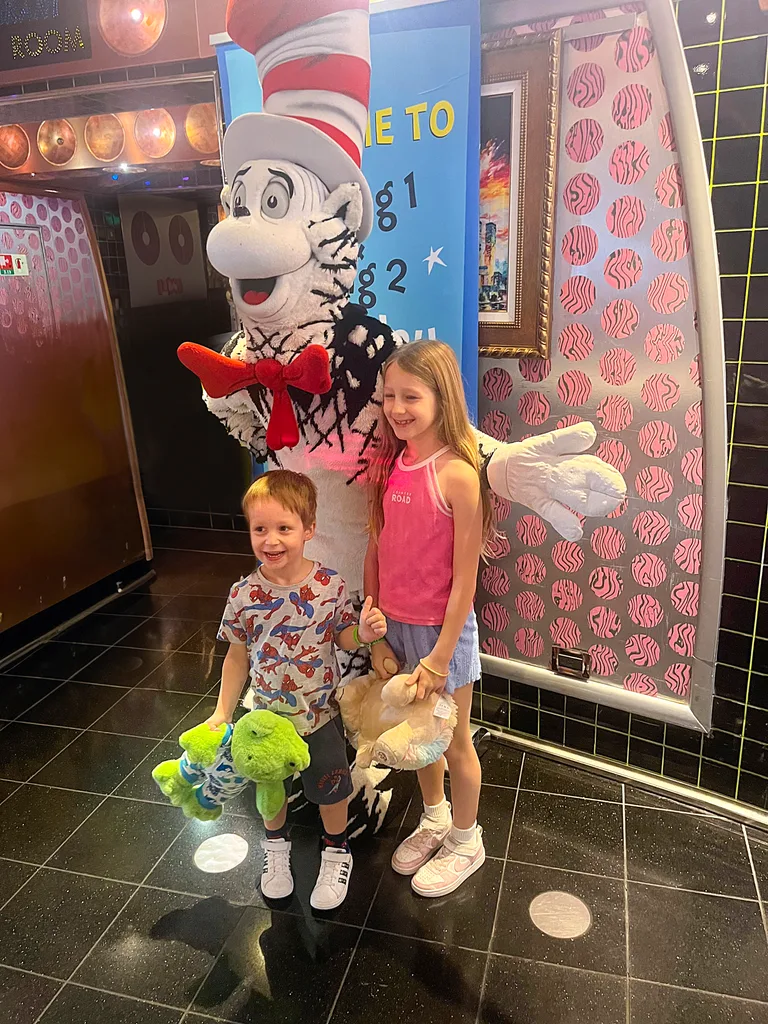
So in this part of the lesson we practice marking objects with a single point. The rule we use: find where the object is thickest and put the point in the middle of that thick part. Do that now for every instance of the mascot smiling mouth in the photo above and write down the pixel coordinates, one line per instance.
(256, 290)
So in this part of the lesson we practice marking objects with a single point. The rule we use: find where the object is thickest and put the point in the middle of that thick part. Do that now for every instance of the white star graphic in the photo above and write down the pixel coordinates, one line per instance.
(433, 258)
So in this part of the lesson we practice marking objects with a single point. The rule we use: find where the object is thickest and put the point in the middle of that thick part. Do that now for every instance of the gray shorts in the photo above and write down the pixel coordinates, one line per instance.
(327, 780)
(412, 643)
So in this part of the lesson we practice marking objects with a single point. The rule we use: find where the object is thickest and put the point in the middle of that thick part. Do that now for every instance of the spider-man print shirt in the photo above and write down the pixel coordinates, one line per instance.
(291, 637)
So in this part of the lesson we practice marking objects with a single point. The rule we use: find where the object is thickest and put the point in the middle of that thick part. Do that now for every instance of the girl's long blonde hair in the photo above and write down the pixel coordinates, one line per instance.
(434, 364)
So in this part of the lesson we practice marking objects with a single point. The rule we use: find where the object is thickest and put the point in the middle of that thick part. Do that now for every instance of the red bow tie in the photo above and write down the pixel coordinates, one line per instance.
(221, 376)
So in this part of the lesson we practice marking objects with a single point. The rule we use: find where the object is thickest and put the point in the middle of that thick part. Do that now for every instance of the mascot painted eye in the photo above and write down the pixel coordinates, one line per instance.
(276, 200)
(239, 209)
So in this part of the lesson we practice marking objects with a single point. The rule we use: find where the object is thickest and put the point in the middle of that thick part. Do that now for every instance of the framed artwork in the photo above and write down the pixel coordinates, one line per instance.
(518, 146)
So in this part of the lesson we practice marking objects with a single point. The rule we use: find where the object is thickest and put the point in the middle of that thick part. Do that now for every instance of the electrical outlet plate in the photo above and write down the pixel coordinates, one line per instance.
(571, 662)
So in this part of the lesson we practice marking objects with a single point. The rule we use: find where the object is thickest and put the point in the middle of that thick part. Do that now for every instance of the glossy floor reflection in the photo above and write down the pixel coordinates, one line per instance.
(104, 916)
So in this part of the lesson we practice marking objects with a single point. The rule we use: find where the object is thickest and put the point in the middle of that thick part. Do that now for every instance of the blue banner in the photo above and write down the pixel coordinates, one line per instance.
(240, 88)
(418, 268)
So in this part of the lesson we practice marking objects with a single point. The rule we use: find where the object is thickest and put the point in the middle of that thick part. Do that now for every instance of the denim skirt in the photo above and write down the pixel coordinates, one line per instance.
(412, 643)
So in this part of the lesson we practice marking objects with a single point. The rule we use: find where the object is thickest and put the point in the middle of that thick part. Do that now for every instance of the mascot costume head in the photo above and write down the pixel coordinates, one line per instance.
(298, 207)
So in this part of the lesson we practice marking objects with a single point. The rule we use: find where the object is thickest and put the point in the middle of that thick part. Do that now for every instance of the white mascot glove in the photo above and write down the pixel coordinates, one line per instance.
(549, 475)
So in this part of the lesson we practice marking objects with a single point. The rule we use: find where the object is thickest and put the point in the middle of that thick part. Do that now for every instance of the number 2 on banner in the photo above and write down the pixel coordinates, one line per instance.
(394, 284)
(367, 277)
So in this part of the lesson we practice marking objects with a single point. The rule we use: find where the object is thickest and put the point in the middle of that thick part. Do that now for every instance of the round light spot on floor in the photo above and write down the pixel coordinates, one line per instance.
(561, 915)
(221, 853)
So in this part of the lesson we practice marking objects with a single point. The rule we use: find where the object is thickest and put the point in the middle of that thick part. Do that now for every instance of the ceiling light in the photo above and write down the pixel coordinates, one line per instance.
(136, 14)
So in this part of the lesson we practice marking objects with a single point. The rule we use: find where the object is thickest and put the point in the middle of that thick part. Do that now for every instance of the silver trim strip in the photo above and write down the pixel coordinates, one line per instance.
(743, 813)
(86, 90)
(501, 13)
(22, 652)
(706, 273)
(608, 26)
(660, 708)
(396, 5)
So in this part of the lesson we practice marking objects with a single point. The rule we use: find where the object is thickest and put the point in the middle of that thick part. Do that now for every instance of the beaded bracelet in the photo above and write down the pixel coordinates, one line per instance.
(362, 643)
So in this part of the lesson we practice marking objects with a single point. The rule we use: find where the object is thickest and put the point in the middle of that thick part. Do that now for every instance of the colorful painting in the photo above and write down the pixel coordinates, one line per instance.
(496, 136)
(518, 145)
(500, 171)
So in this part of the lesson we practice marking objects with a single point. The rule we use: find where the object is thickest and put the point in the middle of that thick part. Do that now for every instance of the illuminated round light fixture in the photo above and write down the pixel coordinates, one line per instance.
(104, 136)
(132, 27)
(560, 915)
(14, 146)
(220, 853)
(200, 128)
(155, 132)
(56, 141)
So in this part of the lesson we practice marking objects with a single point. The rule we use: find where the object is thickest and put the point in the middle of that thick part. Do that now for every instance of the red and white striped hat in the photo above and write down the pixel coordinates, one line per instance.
(313, 59)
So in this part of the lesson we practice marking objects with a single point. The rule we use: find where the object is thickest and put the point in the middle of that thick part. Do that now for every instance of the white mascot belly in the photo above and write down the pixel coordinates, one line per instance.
(298, 207)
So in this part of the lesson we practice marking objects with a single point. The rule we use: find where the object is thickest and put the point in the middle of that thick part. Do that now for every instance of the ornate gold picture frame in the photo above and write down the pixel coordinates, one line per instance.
(519, 129)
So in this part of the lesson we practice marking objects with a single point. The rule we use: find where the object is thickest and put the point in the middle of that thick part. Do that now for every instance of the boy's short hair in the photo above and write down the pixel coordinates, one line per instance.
(293, 491)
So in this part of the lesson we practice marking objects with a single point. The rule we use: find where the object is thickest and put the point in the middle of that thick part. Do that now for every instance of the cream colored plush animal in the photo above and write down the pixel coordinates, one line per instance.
(388, 726)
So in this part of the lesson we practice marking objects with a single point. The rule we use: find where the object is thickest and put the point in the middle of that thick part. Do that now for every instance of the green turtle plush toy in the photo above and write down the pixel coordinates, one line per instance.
(217, 764)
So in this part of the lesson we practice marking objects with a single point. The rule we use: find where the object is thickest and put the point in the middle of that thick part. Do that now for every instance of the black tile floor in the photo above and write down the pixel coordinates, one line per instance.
(104, 916)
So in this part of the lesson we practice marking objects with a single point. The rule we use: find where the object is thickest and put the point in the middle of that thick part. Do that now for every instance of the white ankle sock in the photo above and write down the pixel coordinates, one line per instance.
(463, 835)
(438, 812)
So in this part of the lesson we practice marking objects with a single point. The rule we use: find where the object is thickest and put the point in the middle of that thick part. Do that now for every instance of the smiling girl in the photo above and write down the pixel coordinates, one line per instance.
(429, 522)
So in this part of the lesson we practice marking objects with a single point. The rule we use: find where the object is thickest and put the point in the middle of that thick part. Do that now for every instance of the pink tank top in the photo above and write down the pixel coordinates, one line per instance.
(416, 545)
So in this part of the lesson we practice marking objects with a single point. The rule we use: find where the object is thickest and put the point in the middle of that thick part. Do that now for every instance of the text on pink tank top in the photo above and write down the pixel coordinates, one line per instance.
(416, 545)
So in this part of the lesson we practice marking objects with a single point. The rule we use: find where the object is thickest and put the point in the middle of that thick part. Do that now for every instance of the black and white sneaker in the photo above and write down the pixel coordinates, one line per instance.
(276, 877)
(331, 887)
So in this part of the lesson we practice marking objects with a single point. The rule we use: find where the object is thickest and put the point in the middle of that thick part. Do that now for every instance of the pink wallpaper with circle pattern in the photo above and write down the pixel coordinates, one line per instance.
(624, 355)
(51, 233)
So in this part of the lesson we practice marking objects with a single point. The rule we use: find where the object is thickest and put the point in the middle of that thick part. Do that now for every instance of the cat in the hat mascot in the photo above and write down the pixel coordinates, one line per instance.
(298, 207)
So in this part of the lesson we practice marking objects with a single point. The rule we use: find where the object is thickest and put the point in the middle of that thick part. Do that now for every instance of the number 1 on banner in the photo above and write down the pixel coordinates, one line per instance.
(410, 181)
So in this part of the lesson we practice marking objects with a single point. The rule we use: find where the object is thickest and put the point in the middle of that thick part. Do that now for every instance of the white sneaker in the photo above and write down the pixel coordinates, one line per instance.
(331, 887)
(452, 865)
(276, 877)
(417, 849)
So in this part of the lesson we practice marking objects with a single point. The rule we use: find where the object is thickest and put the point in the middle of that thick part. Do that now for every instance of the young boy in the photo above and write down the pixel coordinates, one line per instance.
(283, 624)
